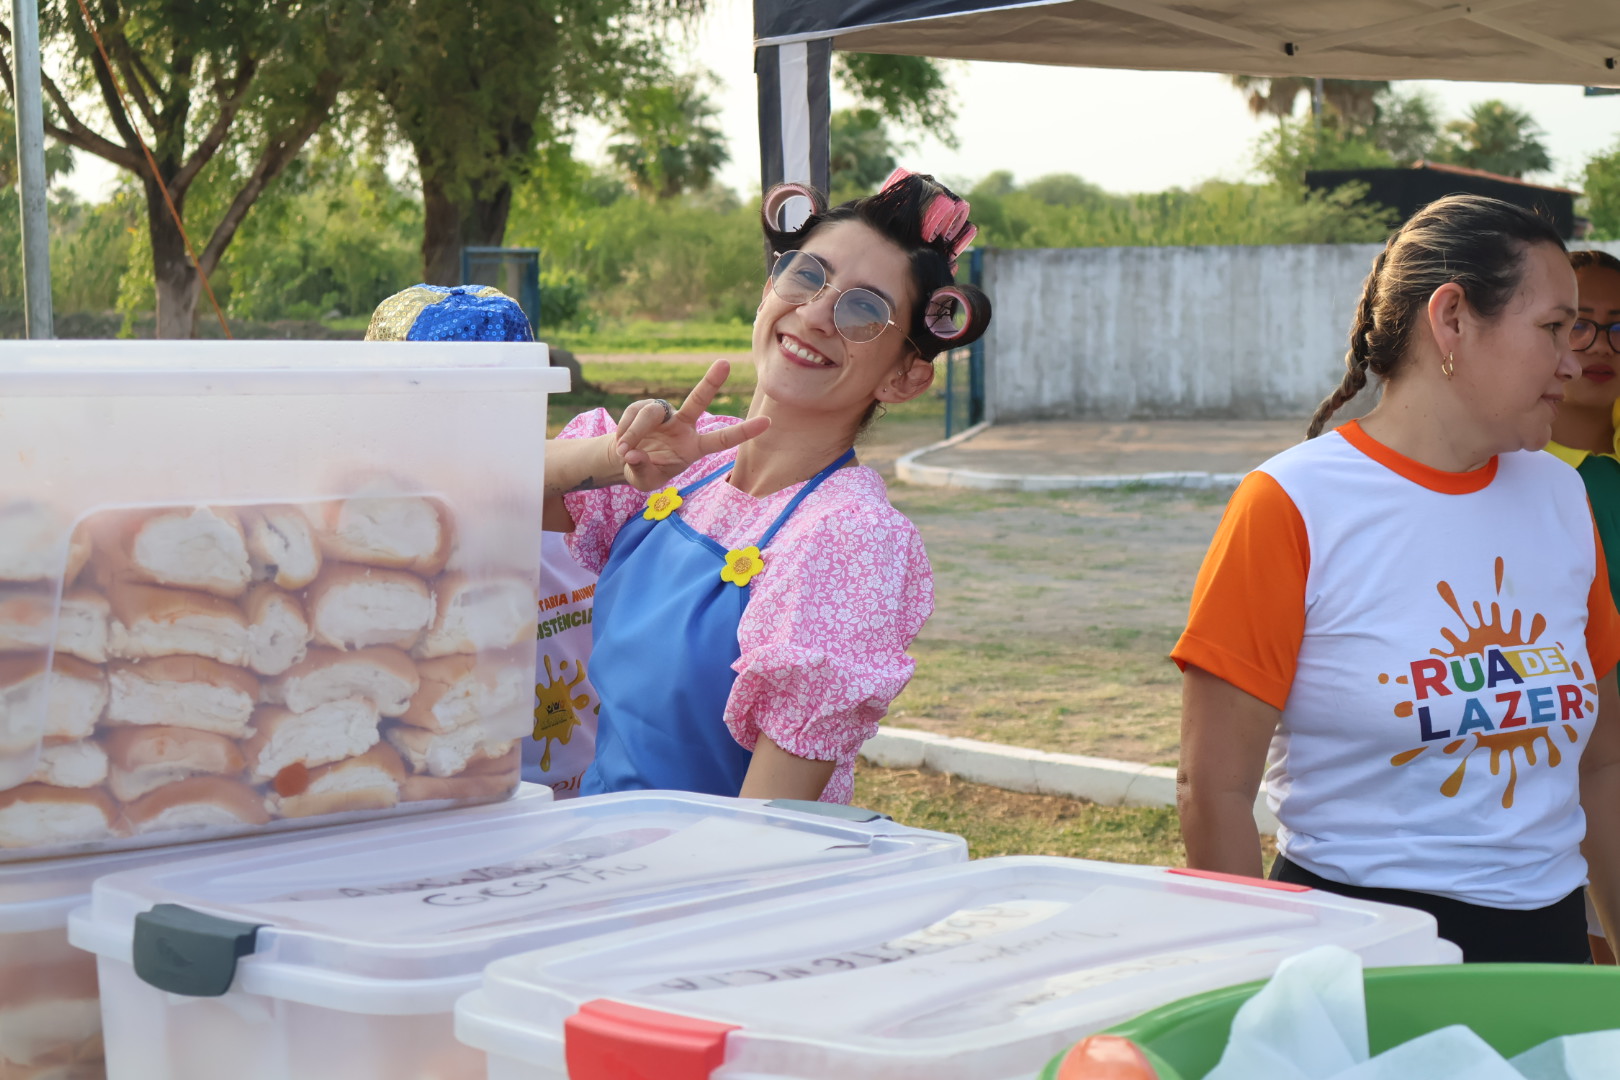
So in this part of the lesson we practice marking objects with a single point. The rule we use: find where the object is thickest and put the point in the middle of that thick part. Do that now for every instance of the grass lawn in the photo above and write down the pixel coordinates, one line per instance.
(649, 336)
(996, 822)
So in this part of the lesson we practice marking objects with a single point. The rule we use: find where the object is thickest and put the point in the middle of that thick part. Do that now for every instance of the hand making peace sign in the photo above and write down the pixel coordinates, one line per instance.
(657, 442)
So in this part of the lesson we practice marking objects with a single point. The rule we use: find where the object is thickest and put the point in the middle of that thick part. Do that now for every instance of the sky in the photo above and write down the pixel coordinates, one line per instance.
(1123, 130)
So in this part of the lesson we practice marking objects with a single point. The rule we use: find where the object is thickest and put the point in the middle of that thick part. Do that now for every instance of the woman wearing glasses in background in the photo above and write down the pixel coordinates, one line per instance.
(1583, 431)
(758, 592)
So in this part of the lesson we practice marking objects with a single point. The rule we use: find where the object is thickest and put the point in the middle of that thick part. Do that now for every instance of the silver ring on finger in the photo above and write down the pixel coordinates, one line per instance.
(669, 410)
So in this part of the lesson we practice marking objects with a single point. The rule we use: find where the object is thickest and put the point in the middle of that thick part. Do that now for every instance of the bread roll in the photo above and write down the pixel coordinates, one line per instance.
(368, 782)
(149, 622)
(281, 544)
(77, 699)
(70, 763)
(473, 615)
(385, 677)
(34, 544)
(143, 759)
(421, 788)
(81, 628)
(278, 634)
(200, 802)
(183, 691)
(52, 1036)
(450, 753)
(352, 607)
(38, 815)
(200, 547)
(327, 733)
(460, 690)
(400, 532)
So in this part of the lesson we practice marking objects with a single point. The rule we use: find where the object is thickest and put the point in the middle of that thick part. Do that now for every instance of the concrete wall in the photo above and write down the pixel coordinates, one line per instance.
(1221, 332)
(1239, 332)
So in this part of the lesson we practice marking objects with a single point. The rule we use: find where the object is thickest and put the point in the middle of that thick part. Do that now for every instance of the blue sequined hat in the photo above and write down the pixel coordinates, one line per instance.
(449, 313)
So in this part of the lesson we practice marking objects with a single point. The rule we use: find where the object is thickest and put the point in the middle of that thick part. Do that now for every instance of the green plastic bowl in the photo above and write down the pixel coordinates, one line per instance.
(1511, 1006)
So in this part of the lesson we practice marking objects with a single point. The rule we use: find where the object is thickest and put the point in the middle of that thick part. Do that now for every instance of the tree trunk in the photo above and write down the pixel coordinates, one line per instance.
(449, 226)
(176, 278)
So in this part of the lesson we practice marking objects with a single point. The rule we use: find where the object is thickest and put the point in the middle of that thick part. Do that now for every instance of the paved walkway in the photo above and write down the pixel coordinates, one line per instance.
(1083, 453)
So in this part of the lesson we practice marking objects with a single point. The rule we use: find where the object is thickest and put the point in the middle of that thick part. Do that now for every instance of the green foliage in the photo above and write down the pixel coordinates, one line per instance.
(668, 141)
(910, 90)
(1286, 152)
(1407, 127)
(1603, 194)
(1216, 212)
(687, 256)
(337, 238)
(862, 155)
(1498, 138)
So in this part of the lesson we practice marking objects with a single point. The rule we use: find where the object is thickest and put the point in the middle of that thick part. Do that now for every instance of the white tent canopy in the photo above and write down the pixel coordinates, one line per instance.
(1536, 41)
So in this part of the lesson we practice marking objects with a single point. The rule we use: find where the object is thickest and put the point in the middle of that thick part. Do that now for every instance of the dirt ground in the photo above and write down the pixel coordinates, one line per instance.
(1054, 615)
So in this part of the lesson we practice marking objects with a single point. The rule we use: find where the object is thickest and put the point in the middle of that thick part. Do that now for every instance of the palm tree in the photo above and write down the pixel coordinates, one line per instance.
(1352, 99)
(668, 140)
(1497, 138)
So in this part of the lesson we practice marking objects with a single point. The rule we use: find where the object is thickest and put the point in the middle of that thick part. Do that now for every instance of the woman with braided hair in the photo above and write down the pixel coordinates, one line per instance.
(1413, 612)
(758, 592)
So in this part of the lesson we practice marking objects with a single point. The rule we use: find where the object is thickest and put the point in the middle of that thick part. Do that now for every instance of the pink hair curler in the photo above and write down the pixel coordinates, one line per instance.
(941, 317)
(777, 199)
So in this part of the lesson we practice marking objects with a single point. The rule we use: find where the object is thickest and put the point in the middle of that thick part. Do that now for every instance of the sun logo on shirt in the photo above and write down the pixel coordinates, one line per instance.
(1494, 685)
(557, 714)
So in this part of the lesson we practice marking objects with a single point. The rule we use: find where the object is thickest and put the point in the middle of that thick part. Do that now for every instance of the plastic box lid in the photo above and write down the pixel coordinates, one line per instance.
(39, 894)
(973, 972)
(403, 918)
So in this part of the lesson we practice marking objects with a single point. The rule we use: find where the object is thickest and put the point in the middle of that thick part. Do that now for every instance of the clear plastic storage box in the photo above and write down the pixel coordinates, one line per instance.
(257, 585)
(341, 958)
(975, 972)
(50, 1015)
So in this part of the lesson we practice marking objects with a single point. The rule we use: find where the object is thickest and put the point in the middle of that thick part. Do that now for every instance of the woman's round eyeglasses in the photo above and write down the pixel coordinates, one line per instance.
(860, 315)
(1583, 334)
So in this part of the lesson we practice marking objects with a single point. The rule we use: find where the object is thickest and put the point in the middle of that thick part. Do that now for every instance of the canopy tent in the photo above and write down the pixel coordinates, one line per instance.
(1538, 41)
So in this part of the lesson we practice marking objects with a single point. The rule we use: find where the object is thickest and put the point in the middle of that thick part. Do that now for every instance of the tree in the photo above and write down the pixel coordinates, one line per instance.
(862, 156)
(1406, 127)
(210, 81)
(1354, 100)
(1296, 146)
(912, 91)
(478, 89)
(1602, 187)
(668, 141)
(1497, 138)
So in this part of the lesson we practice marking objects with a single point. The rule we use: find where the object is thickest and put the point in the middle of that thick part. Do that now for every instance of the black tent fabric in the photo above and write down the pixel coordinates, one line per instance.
(1546, 41)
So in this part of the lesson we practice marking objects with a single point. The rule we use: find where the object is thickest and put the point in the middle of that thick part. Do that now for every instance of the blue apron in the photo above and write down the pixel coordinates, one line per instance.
(664, 640)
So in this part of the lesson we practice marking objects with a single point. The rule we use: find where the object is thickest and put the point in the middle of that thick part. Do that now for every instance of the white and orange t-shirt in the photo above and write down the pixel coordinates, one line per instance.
(1434, 642)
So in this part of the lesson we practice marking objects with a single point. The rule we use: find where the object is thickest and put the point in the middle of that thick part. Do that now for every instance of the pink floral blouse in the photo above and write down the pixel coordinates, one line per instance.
(846, 588)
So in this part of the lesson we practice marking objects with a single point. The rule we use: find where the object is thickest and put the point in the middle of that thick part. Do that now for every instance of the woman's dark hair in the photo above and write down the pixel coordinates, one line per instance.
(1591, 257)
(1477, 242)
(897, 212)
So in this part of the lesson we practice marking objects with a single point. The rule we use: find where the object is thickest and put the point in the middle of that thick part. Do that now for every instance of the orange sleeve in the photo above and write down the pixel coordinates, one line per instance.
(1248, 606)
(1602, 621)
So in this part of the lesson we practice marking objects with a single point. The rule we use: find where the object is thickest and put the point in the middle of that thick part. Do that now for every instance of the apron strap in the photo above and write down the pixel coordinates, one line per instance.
(717, 474)
(811, 485)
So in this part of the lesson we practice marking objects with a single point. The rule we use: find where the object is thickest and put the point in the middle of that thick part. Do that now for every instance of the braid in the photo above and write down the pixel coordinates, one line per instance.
(1358, 359)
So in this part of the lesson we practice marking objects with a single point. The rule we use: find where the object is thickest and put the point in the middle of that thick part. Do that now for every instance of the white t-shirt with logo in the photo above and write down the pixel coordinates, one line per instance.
(1434, 642)
(566, 704)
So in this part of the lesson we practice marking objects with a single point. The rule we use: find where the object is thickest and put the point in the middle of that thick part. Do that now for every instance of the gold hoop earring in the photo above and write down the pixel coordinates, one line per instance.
(1448, 368)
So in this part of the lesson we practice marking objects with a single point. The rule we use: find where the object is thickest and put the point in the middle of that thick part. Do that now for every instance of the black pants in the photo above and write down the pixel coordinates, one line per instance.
(1555, 934)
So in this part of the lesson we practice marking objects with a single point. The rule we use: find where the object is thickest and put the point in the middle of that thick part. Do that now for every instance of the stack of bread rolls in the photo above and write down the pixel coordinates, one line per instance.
(219, 667)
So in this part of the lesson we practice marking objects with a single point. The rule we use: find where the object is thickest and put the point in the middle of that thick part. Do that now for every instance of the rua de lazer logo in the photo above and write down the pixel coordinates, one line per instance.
(1495, 685)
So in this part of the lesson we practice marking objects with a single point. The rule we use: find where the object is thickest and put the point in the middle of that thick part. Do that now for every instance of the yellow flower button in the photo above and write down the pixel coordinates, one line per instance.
(661, 504)
(742, 565)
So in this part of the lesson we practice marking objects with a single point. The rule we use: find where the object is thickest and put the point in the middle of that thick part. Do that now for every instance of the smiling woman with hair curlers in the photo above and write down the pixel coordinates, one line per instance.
(758, 592)
(1413, 612)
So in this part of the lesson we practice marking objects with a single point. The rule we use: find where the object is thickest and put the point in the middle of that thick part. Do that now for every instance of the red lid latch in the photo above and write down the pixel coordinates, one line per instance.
(609, 1040)
(1241, 879)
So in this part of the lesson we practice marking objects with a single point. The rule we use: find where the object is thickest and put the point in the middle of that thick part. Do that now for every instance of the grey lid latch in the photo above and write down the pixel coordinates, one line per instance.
(187, 952)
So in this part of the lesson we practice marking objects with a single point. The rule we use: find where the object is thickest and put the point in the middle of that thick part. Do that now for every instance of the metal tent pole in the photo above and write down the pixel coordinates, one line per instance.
(36, 236)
